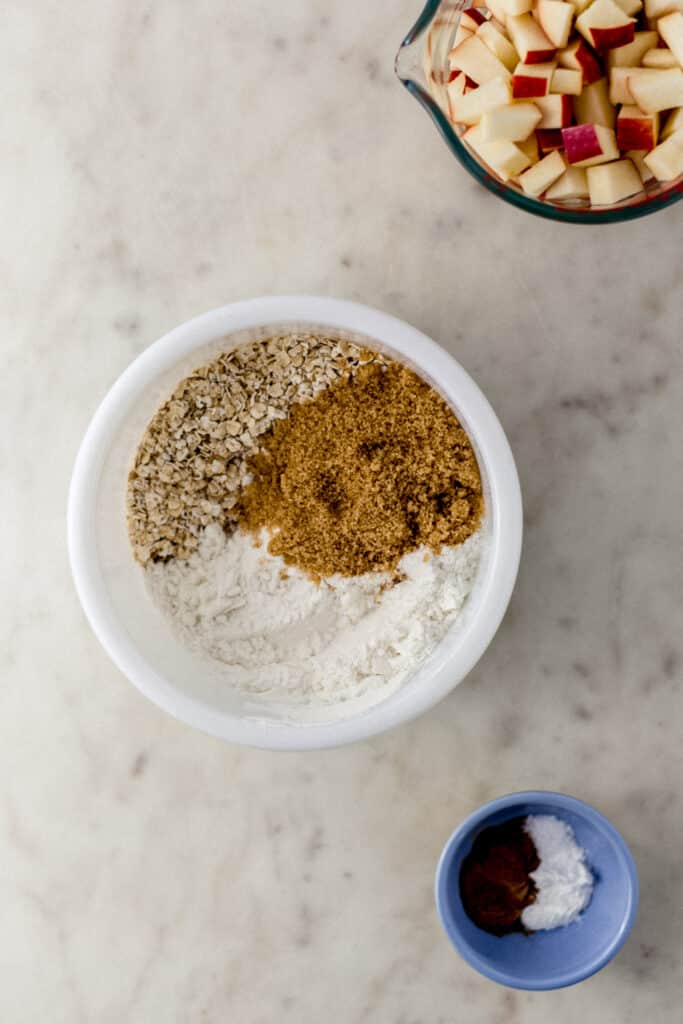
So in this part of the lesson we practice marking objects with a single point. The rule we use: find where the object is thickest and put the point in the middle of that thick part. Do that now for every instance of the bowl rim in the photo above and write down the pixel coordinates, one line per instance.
(505, 542)
(562, 802)
(641, 207)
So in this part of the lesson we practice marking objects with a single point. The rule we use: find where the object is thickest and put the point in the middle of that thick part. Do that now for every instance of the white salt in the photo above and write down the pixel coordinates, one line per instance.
(563, 881)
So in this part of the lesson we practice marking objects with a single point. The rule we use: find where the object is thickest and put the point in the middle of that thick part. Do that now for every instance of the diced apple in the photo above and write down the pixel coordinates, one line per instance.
(542, 175)
(577, 57)
(674, 123)
(530, 149)
(610, 183)
(572, 185)
(497, 10)
(636, 129)
(619, 91)
(505, 158)
(671, 30)
(461, 34)
(656, 90)
(499, 45)
(657, 8)
(581, 5)
(471, 19)
(530, 41)
(637, 158)
(514, 8)
(593, 105)
(549, 139)
(630, 56)
(567, 82)
(469, 107)
(661, 57)
(556, 110)
(589, 144)
(476, 60)
(666, 160)
(555, 18)
(604, 25)
(532, 80)
(513, 123)
(630, 7)
(455, 88)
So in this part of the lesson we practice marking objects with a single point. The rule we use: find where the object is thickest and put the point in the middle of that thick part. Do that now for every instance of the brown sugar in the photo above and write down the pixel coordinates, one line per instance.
(373, 467)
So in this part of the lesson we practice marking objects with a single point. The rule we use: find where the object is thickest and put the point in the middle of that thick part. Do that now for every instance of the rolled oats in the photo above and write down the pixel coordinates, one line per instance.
(191, 462)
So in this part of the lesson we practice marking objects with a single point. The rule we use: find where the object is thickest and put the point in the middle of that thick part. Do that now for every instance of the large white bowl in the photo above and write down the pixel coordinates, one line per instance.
(110, 583)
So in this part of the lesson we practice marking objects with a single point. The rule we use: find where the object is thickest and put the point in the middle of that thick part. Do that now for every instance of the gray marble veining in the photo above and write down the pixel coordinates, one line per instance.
(160, 159)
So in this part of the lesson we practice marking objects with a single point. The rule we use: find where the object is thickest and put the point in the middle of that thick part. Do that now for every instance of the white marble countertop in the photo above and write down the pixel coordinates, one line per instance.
(160, 159)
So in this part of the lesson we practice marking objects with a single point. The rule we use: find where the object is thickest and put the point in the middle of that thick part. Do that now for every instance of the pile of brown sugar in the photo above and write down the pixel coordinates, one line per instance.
(373, 467)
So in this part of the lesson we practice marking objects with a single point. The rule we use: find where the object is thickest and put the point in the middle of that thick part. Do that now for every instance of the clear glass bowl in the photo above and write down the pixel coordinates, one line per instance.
(422, 66)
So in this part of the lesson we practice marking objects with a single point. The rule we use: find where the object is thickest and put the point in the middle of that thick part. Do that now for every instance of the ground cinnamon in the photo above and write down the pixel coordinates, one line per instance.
(495, 886)
(375, 466)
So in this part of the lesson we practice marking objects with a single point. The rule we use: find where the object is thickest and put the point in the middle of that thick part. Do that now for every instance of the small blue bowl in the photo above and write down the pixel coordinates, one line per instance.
(544, 959)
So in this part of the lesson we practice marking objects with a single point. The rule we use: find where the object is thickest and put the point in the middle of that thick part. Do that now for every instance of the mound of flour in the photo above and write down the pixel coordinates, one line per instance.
(274, 631)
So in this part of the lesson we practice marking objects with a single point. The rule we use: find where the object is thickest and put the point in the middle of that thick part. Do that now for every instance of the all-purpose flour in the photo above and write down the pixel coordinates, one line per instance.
(275, 631)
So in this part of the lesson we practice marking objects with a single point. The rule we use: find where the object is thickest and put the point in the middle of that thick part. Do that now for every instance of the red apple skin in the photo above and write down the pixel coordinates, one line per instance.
(527, 86)
(567, 111)
(475, 15)
(610, 38)
(589, 65)
(539, 56)
(635, 133)
(586, 62)
(581, 143)
(549, 139)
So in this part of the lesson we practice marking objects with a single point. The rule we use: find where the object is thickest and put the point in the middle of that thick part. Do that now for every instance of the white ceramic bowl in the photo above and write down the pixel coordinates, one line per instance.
(110, 583)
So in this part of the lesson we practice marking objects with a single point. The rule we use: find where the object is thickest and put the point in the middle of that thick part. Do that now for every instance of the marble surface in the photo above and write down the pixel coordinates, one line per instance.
(160, 159)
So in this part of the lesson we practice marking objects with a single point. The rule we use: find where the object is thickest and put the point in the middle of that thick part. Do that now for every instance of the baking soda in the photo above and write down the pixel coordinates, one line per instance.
(564, 883)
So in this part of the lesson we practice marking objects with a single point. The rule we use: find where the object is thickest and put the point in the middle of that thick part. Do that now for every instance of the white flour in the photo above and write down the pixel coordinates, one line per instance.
(276, 632)
(564, 883)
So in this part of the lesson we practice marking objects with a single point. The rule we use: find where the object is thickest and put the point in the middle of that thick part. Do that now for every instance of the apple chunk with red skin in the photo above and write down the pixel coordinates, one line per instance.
(605, 26)
(588, 144)
(577, 57)
(529, 40)
(532, 80)
(556, 109)
(471, 19)
(636, 129)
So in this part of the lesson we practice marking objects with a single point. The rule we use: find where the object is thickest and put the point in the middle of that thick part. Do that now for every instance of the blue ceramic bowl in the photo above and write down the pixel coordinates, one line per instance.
(544, 959)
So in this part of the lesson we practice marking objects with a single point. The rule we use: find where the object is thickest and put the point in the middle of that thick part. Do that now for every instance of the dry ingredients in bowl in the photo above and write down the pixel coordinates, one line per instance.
(308, 515)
